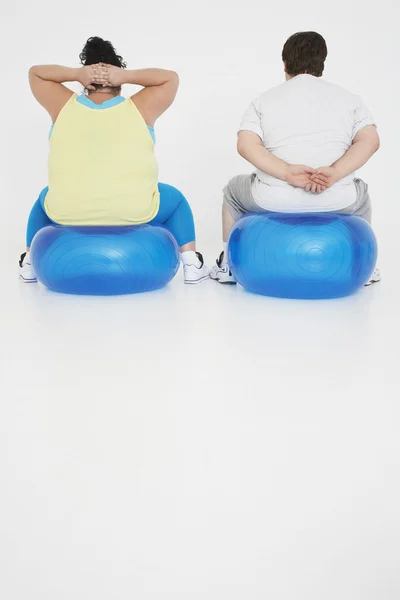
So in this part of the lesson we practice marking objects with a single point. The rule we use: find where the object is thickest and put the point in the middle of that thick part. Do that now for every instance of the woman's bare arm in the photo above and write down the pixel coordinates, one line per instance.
(159, 89)
(46, 84)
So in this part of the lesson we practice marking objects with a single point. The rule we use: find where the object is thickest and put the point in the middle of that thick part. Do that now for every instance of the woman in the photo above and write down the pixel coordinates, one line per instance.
(102, 167)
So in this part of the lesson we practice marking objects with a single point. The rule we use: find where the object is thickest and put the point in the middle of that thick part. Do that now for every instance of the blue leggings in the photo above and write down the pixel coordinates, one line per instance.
(174, 214)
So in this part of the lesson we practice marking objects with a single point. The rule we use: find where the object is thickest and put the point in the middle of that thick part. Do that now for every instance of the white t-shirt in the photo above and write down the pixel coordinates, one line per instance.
(309, 121)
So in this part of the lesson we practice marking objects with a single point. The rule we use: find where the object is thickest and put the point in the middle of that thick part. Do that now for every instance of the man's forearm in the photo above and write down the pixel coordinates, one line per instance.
(365, 144)
(355, 157)
(148, 77)
(252, 149)
(55, 73)
(264, 160)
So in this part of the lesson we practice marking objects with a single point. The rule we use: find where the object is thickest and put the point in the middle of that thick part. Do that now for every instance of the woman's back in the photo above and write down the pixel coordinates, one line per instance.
(102, 167)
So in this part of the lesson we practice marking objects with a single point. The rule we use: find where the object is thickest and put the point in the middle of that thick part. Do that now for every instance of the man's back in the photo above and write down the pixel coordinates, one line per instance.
(310, 121)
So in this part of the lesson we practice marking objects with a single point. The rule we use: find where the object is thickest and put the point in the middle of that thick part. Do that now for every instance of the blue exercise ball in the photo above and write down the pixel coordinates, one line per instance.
(104, 261)
(308, 256)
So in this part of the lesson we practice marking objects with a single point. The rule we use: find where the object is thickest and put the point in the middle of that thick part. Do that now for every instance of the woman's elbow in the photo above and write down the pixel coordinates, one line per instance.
(174, 77)
(33, 71)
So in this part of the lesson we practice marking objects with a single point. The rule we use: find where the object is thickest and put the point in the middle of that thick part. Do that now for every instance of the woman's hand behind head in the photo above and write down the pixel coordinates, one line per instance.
(111, 76)
(92, 74)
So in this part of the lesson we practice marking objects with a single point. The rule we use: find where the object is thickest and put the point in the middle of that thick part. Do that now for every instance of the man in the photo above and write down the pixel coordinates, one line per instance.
(306, 138)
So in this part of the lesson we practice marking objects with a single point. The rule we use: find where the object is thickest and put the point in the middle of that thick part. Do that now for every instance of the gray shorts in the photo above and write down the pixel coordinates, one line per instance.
(238, 195)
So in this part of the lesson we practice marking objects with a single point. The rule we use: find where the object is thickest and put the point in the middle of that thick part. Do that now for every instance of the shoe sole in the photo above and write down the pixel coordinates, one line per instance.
(188, 282)
(229, 281)
(371, 282)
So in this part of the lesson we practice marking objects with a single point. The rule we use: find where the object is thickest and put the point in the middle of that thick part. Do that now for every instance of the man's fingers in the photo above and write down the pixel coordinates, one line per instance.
(321, 180)
(319, 177)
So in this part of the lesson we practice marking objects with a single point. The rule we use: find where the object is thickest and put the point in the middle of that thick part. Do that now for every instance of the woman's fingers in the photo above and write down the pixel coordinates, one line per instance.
(100, 74)
(100, 77)
(97, 69)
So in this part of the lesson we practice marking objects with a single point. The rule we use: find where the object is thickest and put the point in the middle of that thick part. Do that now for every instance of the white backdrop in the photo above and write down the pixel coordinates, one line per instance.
(198, 443)
(226, 52)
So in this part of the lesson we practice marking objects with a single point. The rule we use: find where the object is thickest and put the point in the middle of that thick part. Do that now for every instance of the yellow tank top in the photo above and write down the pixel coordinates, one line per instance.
(102, 167)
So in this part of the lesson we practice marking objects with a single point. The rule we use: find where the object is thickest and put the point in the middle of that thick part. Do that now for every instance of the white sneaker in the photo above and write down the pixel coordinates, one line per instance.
(26, 271)
(375, 277)
(221, 272)
(196, 271)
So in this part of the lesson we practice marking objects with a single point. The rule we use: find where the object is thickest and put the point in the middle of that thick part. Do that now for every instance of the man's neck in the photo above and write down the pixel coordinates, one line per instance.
(288, 77)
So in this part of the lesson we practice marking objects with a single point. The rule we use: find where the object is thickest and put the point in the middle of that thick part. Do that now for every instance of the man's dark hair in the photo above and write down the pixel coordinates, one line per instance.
(305, 52)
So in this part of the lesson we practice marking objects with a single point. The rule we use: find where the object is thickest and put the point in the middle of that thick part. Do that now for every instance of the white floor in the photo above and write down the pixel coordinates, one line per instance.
(199, 443)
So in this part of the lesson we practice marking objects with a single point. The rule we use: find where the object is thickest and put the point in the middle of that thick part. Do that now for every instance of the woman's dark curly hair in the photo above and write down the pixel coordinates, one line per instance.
(97, 50)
